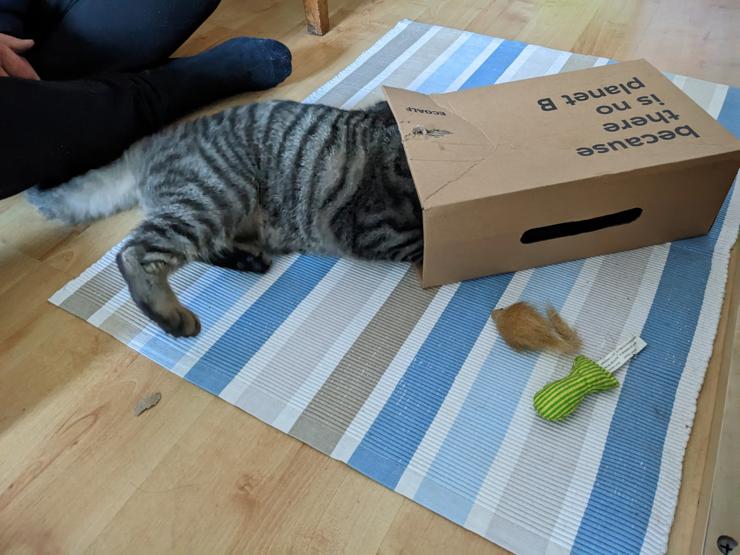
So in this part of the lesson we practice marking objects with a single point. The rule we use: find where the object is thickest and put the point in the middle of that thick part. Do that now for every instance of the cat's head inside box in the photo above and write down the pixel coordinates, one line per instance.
(557, 168)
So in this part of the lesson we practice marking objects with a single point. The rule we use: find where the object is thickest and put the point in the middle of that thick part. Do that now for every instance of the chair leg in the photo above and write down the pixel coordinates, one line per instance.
(317, 16)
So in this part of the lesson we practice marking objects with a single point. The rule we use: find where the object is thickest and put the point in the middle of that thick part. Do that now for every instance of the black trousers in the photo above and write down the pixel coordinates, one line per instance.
(92, 101)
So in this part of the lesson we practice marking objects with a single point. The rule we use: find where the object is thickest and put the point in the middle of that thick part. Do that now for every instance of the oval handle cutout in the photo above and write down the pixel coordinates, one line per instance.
(568, 229)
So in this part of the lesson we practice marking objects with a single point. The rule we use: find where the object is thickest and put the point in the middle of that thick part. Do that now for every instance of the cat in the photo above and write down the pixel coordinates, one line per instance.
(236, 187)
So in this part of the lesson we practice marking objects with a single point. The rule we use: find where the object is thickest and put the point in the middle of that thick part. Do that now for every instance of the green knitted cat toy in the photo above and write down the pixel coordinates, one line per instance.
(559, 399)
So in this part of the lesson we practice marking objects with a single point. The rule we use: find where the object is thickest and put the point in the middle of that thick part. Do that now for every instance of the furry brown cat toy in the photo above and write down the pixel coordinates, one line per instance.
(525, 329)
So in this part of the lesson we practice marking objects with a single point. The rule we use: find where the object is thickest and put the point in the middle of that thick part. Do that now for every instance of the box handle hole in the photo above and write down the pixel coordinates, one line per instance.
(568, 229)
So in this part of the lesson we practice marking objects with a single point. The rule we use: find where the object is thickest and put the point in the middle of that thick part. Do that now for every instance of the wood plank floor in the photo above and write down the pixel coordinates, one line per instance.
(79, 473)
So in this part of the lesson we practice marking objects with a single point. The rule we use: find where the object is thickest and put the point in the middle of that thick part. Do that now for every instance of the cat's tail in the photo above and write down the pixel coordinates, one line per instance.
(93, 195)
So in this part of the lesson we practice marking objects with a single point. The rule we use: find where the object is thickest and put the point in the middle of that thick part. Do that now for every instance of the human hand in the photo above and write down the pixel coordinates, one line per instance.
(12, 64)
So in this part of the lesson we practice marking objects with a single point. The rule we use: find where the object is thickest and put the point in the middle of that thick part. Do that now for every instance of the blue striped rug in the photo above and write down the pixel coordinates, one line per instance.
(415, 389)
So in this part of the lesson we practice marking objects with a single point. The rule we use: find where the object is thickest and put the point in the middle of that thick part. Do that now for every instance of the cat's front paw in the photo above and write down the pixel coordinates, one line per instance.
(179, 322)
(243, 260)
(259, 264)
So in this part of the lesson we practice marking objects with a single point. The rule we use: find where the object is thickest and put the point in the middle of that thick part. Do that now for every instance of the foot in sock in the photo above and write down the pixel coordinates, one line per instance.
(236, 66)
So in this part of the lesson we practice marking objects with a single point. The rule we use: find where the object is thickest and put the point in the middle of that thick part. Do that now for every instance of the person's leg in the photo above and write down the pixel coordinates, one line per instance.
(78, 38)
(59, 129)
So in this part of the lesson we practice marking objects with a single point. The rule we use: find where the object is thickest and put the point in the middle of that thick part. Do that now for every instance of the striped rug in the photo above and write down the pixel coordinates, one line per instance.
(415, 389)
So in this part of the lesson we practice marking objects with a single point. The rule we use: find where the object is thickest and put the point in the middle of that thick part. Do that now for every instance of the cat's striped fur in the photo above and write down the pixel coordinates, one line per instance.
(235, 187)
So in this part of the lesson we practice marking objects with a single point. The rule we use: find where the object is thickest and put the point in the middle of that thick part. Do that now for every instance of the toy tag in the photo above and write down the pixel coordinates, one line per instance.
(619, 356)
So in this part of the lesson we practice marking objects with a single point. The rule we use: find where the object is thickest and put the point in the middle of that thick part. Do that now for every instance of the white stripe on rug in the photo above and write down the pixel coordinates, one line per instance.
(501, 468)
(689, 386)
(559, 62)
(441, 59)
(73, 286)
(517, 64)
(393, 66)
(267, 351)
(361, 59)
(474, 65)
(113, 304)
(396, 369)
(435, 435)
(300, 400)
(718, 99)
(589, 459)
(208, 338)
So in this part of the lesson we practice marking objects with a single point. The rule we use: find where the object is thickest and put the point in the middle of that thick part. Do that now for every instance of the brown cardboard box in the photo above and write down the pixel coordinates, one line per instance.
(557, 168)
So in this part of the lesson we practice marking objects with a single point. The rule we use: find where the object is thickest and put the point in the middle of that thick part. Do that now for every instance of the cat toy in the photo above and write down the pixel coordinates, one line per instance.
(523, 328)
(559, 399)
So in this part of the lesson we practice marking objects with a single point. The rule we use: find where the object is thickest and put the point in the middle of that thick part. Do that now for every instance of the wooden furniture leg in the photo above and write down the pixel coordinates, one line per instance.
(317, 16)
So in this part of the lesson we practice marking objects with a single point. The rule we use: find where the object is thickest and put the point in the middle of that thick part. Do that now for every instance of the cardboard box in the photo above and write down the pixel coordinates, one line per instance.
(557, 168)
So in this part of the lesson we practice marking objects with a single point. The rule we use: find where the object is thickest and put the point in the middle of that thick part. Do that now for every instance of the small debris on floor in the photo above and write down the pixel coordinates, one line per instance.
(147, 402)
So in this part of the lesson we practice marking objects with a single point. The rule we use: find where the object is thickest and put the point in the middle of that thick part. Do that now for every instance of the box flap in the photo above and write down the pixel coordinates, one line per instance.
(532, 133)
(442, 146)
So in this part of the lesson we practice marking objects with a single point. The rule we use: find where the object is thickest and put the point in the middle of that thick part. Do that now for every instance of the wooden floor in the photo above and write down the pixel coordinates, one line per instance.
(78, 472)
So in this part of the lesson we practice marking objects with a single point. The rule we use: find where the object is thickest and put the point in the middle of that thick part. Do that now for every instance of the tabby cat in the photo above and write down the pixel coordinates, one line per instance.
(233, 188)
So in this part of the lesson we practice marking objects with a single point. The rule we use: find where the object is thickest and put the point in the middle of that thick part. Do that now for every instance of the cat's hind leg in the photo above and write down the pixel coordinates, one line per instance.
(155, 250)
